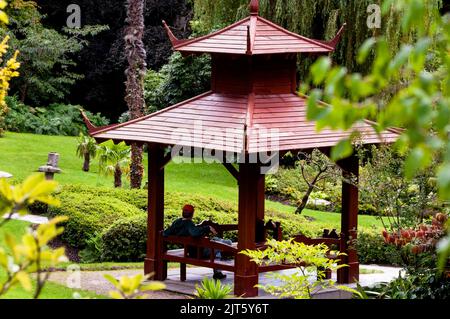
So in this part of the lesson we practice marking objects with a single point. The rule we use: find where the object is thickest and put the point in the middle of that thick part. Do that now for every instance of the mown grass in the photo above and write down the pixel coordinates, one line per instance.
(22, 154)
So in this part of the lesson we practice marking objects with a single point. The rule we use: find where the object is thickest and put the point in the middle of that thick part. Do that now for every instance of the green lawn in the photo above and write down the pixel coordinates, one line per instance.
(51, 290)
(22, 154)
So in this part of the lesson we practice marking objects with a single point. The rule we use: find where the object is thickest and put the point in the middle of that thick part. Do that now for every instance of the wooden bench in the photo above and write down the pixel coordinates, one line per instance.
(192, 249)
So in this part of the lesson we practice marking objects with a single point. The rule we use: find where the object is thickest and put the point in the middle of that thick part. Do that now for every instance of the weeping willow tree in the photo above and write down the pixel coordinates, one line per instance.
(318, 19)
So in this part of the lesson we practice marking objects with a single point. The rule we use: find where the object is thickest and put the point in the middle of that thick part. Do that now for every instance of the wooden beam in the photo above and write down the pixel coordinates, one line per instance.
(233, 171)
(246, 276)
(154, 263)
(349, 222)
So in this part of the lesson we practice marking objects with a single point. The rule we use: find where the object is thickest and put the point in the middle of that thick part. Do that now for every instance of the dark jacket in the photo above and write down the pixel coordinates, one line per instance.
(186, 227)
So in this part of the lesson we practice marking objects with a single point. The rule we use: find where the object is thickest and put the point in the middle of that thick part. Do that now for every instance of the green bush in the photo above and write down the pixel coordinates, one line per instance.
(373, 250)
(422, 284)
(55, 119)
(125, 240)
(138, 198)
(89, 215)
(135, 197)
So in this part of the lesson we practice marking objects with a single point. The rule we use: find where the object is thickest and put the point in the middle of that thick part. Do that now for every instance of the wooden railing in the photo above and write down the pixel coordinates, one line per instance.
(192, 250)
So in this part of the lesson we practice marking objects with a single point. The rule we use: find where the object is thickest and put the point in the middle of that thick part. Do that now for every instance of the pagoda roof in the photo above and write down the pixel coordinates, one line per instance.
(238, 123)
(253, 35)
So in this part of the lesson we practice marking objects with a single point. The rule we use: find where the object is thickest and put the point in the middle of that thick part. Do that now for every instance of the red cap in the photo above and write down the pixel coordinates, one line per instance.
(188, 208)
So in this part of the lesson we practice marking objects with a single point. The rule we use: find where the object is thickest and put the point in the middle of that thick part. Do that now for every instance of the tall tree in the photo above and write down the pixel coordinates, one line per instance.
(136, 55)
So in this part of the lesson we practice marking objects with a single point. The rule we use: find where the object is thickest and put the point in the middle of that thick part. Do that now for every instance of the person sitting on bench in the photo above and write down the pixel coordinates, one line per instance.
(185, 227)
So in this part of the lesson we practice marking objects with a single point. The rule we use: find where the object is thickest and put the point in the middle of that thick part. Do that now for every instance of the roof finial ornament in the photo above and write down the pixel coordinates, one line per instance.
(254, 7)
(172, 37)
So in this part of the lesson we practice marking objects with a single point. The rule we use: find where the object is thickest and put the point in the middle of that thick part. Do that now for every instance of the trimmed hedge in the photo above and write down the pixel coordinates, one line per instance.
(138, 198)
(89, 216)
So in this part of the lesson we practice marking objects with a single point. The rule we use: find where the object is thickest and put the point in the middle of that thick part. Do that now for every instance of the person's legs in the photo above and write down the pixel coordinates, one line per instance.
(218, 273)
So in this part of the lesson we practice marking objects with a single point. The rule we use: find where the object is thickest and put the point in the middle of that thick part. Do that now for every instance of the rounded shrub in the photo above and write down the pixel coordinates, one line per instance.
(125, 240)
(89, 216)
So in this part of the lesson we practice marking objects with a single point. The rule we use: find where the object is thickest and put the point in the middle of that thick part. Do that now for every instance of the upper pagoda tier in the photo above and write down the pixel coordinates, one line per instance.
(253, 35)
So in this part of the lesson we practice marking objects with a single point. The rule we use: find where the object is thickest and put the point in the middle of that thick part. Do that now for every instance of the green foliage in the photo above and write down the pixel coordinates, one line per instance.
(89, 215)
(286, 183)
(86, 145)
(16, 199)
(414, 87)
(414, 83)
(125, 240)
(114, 159)
(179, 80)
(56, 119)
(86, 149)
(318, 19)
(46, 55)
(133, 197)
(372, 249)
(297, 285)
(212, 289)
(27, 256)
(406, 202)
(426, 284)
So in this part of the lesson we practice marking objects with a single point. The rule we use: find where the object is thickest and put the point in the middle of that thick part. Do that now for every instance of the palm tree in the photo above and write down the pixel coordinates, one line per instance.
(87, 149)
(136, 56)
(114, 159)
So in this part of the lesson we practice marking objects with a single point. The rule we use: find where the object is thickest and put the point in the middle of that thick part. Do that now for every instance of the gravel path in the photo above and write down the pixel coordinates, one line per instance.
(94, 281)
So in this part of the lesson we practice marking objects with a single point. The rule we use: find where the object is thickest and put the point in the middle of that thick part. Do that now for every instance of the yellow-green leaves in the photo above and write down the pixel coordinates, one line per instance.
(407, 89)
(320, 69)
(3, 17)
(212, 289)
(31, 253)
(132, 287)
(18, 198)
(308, 259)
(365, 50)
(342, 150)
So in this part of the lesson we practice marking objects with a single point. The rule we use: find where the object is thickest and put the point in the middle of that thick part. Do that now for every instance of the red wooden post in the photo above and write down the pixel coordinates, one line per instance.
(349, 222)
(246, 276)
(153, 261)
(260, 207)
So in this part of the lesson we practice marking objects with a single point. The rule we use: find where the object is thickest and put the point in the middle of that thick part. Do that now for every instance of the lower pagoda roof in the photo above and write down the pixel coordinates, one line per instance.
(238, 123)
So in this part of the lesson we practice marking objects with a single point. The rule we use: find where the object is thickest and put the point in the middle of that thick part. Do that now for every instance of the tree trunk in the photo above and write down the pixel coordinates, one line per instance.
(136, 55)
(118, 177)
(87, 161)
(23, 93)
(305, 198)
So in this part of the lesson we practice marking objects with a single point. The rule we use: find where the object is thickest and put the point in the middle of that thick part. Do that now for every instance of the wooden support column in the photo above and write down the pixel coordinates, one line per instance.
(153, 261)
(349, 222)
(260, 235)
(246, 275)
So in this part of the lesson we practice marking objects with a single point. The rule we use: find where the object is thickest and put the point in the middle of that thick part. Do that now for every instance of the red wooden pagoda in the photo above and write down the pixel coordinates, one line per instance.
(253, 91)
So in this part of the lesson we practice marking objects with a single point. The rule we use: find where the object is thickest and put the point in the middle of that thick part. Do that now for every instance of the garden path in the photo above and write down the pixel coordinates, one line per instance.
(94, 281)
